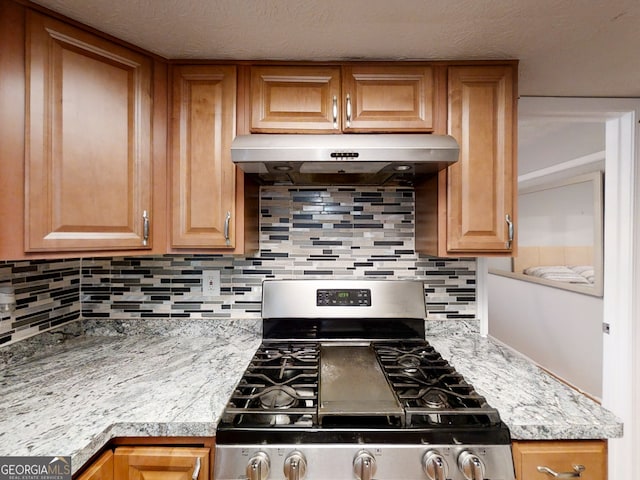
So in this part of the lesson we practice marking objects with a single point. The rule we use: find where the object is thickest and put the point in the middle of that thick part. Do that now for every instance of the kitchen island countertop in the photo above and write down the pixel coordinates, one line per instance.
(72, 398)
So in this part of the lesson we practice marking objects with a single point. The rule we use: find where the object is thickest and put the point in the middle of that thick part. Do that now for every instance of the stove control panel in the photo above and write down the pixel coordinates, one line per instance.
(348, 297)
(374, 461)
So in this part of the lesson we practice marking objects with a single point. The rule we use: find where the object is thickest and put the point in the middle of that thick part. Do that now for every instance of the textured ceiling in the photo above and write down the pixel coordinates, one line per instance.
(565, 47)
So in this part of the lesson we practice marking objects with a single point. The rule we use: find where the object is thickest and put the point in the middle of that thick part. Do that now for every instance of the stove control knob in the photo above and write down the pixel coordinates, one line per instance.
(295, 466)
(258, 467)
(364, 465)
(471, 466)
(434, 465)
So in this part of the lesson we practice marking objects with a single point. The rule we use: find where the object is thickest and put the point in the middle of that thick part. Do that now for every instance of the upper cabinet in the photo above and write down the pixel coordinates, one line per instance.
(333, 99)
(88, 173)
(480, 186)
(110, 150)
(295, 99)
(203, 177)
(388, 98)
(469, 208)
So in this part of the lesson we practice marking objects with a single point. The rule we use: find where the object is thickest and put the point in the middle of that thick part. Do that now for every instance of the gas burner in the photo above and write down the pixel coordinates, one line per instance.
(278, 397)
(435, 399)
(409, 362)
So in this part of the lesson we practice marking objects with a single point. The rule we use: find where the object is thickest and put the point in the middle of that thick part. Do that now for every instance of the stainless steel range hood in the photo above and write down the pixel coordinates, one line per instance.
(350, 159)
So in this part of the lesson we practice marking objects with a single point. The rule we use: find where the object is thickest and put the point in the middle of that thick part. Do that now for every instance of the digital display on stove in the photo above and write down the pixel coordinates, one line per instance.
(330, 297)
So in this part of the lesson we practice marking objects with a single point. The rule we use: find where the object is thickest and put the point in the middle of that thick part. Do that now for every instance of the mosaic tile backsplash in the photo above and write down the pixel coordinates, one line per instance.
(304, 233)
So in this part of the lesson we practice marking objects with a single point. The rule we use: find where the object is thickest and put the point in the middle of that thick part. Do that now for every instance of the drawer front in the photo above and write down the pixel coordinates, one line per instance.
(560, 457)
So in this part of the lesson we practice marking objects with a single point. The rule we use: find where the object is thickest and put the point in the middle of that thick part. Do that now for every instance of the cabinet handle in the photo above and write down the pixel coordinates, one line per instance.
(348, 110)
(577, 472)
(196, 469)
(145, 228)
(509, 230)
(335, 111)
(226, 229)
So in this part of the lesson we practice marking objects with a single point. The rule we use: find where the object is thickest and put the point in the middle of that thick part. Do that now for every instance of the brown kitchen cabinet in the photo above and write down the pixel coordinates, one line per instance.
(177, 463)
(203, 177)
(469, 209)
(127, 458)
(88, 149)
(349, 98)
(294, 99)
(101, 469)
(560, 457)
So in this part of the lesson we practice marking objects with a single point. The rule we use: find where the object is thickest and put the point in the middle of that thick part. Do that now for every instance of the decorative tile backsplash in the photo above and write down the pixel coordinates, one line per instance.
(47, 295)
(304, 233)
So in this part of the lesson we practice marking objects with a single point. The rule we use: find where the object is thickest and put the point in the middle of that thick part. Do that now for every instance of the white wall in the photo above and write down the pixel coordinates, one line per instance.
(621, 303)
(558, 329)
(561, 216)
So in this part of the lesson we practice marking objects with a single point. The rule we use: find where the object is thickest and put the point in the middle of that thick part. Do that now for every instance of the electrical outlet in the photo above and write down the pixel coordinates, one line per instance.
(211, 283)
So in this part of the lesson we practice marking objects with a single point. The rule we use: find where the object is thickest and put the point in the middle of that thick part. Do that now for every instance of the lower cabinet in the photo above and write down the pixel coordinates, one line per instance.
(101, 469)
(540, 460)
(175, 463)
(147, 462)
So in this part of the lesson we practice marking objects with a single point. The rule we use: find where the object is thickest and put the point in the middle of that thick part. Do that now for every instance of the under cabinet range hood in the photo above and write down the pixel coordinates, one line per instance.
(348, 159)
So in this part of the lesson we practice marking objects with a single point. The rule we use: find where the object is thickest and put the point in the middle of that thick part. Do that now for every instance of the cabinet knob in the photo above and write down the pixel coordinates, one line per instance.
(577, 472)
(196, 470)
(509, 230)
(335, 111)
(145, 228)
(348, 110)
(226, 229)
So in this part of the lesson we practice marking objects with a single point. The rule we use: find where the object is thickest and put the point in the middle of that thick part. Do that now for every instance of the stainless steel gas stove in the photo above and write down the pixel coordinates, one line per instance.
(345, 386)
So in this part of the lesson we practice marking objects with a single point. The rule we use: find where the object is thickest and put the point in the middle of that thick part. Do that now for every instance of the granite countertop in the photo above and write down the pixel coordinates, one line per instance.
(72, 398)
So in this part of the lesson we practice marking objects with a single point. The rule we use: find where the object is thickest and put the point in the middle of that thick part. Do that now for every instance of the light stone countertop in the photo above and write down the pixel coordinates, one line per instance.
(72, 398)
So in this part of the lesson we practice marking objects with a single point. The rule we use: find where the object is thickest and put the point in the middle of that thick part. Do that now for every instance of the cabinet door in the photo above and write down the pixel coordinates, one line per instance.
(560, 457)
(295, 99)
(480, 189)
(203, 175)
(88, 149)
(380, 98)
(161, 463)
(101, 469)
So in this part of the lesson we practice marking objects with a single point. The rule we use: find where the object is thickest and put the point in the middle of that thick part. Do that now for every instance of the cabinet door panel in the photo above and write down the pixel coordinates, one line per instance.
(389, 98)
(88, 146)
(480, 184)
(294, 99)
(203, 127)
(161, 463)
(101, 469)
(560, 457)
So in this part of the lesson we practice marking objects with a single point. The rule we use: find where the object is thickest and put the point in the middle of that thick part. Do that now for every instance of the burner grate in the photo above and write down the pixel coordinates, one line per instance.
(431, 391)
(279, 387)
